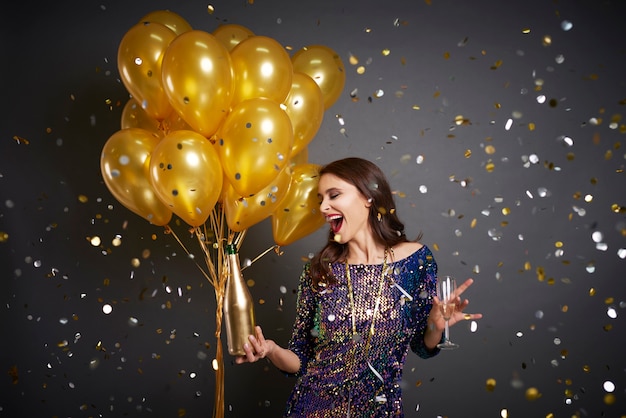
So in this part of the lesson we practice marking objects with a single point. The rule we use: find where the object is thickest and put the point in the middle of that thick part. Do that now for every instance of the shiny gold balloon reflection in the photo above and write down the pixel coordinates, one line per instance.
(139, 61)
(173, 21)
(254, 144)
(325, 67)
(305, 107)
(124, 163)
(261, 68)
(197, 78)
(232, 34)
(298, 215)
(186, 175)
(243, 212)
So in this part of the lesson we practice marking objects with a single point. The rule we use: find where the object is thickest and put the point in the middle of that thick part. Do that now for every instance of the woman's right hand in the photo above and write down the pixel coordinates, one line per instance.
(256, 348)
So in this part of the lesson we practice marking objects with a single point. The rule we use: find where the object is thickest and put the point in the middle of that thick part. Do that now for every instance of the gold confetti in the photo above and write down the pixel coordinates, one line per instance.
(532, 394)
(13, 372)
(546, 40)
(4, 236)
(618, 208)
(541, 274)
(21, 140)
(496, 65)
(490, 385)
(82, 198)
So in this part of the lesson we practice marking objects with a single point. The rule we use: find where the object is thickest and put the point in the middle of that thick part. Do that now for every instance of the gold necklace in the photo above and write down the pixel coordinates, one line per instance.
(355, 335)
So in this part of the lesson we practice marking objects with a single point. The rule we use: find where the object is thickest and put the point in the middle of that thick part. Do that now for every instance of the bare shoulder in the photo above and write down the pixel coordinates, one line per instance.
(405, 249)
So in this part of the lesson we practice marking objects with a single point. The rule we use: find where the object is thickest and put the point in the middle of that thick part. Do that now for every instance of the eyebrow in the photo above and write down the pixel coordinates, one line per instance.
(327, 191)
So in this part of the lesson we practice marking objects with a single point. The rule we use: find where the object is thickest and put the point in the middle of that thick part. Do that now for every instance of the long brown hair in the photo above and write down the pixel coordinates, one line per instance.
(388, 230)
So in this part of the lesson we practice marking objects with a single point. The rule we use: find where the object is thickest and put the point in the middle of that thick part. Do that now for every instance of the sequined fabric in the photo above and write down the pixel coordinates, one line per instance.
(344, 376)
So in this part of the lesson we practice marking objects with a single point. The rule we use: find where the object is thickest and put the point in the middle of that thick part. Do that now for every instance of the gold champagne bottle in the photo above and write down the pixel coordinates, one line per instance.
(238, 305)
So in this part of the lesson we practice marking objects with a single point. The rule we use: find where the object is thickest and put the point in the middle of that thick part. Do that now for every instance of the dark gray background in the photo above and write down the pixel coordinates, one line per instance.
(61, 356)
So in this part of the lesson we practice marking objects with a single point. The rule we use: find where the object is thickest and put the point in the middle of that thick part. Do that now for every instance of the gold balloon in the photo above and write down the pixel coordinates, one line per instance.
(134, 116)
(261, 68)
(302, 157)
(254, 143)
(139, 61)
(325, 67)
(186, 175)
(243, 212)
(305, 106)
(197, 77)
(298, 215)
(172, 20)
(124, 163)
(175, 122)
(232, 34)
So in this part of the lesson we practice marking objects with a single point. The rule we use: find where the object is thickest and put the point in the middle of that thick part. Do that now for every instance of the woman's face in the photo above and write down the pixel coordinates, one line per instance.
(344, 207)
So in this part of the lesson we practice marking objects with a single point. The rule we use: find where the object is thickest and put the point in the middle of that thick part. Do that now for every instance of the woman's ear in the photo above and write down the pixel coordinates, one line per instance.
(369, 202)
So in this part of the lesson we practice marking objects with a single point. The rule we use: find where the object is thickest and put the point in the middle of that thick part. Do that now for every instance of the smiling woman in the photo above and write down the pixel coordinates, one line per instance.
(354, 368)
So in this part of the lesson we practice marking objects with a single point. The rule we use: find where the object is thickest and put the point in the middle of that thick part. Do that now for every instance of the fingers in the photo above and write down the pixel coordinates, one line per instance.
(255, 349)
(259, 335)
(462, 288)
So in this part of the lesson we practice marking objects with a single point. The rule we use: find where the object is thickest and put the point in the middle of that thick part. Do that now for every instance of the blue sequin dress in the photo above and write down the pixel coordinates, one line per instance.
(344, 376)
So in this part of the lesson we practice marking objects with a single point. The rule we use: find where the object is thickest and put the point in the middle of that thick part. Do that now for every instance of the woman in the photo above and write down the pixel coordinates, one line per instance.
(363, 301)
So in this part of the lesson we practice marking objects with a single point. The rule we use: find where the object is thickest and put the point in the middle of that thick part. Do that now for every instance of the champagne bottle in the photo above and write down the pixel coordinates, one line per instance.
(238, 305)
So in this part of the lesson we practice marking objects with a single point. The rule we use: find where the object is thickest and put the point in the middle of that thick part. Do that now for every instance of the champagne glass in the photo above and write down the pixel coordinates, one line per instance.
(446, 292)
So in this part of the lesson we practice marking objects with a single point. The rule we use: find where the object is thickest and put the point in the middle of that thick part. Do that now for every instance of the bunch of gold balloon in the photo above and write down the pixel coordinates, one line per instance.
(216, 132)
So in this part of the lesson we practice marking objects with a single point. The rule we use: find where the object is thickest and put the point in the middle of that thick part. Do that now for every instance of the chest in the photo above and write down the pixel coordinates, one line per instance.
(365, 299)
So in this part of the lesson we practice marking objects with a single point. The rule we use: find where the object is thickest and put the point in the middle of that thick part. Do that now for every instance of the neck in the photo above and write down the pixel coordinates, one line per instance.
(369, 253)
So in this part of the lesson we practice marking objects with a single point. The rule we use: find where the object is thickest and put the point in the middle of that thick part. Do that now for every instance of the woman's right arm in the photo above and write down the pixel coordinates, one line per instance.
(259, 348)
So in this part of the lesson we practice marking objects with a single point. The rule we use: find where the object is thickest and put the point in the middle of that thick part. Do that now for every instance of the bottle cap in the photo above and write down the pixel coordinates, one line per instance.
(231, 249)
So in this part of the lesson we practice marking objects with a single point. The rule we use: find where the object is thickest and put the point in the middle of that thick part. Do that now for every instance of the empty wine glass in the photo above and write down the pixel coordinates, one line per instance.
(446, 292)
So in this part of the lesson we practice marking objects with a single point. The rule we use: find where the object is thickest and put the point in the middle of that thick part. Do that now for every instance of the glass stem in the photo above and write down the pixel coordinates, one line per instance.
(447, 332)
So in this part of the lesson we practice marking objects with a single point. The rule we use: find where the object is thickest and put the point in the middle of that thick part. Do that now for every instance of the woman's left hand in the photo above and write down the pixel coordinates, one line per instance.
(436, 318)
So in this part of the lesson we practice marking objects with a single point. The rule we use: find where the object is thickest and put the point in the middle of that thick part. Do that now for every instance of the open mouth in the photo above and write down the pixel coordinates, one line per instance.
(335, 222)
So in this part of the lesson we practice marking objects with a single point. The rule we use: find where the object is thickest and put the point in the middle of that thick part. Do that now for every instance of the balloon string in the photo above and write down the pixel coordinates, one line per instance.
(169, 230)
(273, 247)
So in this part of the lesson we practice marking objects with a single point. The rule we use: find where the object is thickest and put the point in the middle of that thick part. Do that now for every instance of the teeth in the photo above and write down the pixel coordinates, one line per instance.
(335, 222)
(333, 218)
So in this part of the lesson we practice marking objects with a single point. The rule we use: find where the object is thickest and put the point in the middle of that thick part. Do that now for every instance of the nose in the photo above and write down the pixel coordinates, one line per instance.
(323, 205)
